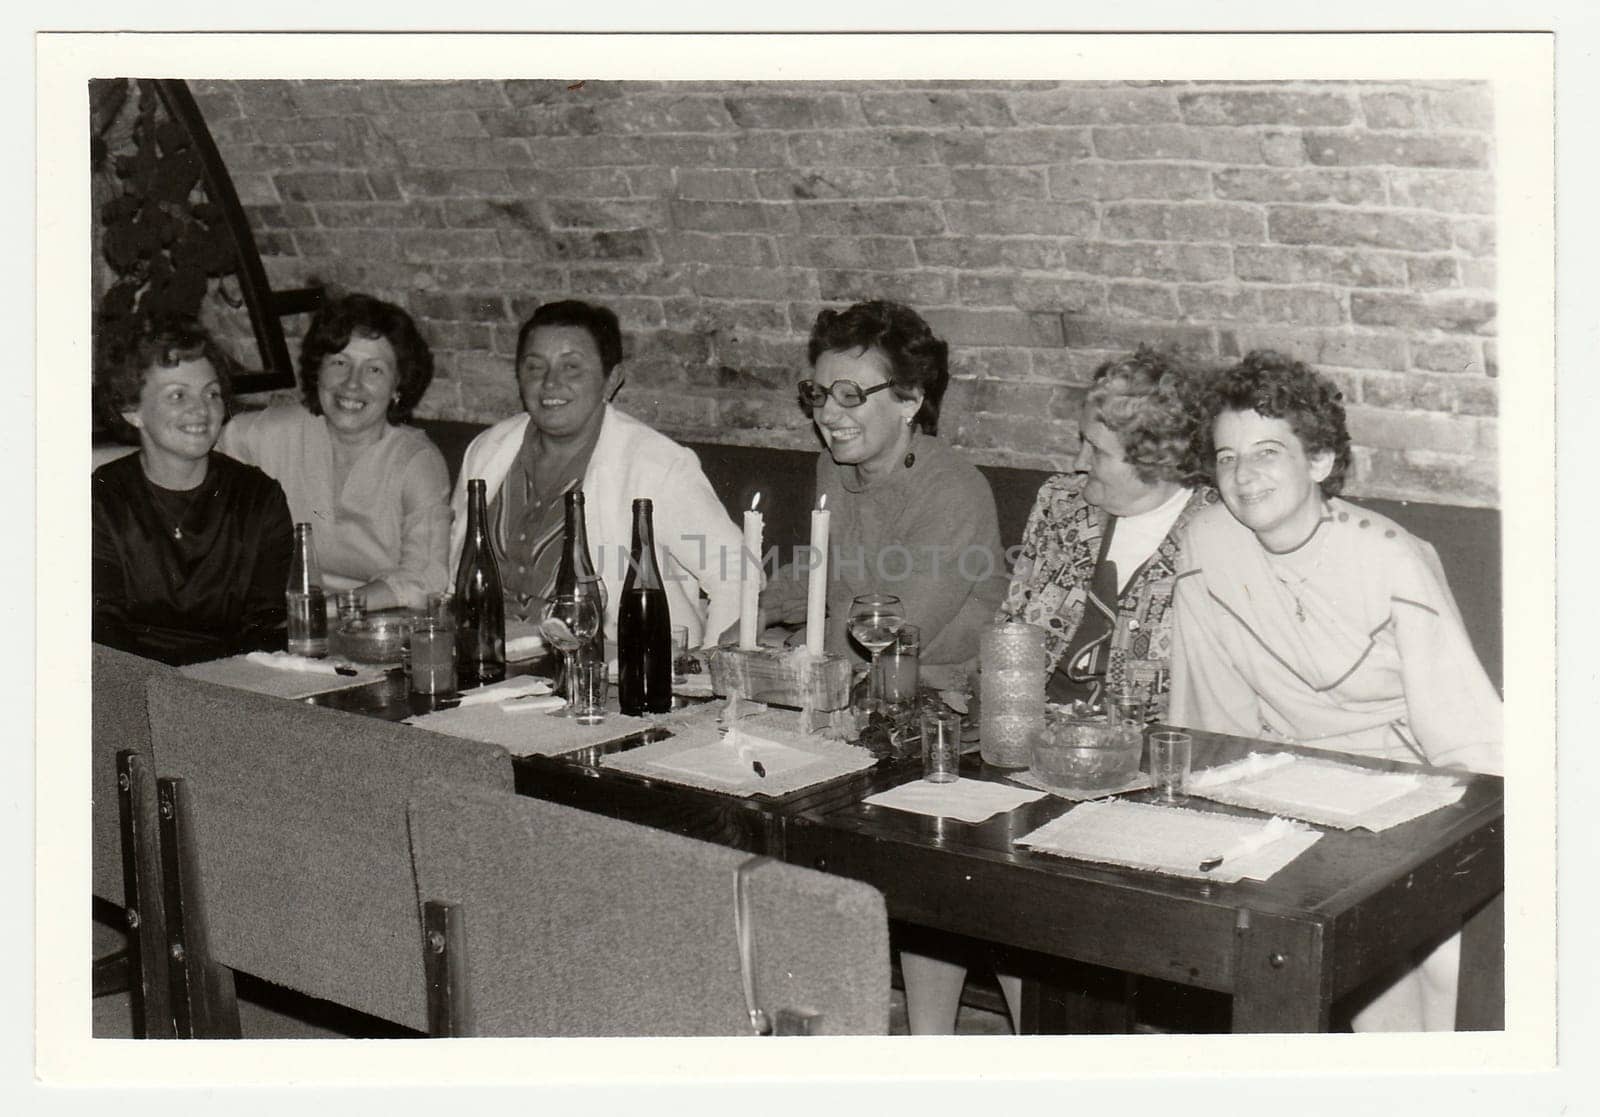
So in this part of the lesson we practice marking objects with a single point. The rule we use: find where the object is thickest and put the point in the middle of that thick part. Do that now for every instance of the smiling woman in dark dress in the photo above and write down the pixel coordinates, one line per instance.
(191, 548)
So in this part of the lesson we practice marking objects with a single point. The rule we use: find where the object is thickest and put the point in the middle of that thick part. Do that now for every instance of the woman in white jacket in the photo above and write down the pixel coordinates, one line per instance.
(568, 357)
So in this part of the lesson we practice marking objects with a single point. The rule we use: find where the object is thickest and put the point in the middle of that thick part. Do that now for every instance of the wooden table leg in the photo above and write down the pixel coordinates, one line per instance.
(1481, 1002)
(1280, 983)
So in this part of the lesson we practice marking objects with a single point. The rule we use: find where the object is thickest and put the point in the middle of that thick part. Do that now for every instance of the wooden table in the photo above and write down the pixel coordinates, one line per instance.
(1286, 949)
(578, 779)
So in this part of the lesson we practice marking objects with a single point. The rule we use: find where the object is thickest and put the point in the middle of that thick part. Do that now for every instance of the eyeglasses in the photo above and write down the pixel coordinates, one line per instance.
(846, 393)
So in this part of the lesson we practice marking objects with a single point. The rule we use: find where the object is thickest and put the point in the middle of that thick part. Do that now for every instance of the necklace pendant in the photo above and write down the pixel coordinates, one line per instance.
(177, 533)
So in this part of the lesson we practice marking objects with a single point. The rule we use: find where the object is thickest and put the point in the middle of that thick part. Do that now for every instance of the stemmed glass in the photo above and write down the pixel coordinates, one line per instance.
(875, 620)
(569, 621)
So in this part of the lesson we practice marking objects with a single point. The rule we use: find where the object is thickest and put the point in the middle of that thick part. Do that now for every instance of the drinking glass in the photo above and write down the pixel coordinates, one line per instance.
(875, 620)
(586, 685)
(1170, 755)
(680, 652)
(568, 622)
(433, 657)
(899, 672)
(941, 744)
(1125, 705)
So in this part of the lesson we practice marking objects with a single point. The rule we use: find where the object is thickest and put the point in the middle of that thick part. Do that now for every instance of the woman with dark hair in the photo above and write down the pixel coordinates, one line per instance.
(910, 516)
(1095, 572)
(376, 492)
(190, 548)
(1305, 618)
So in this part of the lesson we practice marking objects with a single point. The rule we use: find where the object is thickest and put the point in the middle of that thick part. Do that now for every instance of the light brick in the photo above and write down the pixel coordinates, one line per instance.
(971, 362)
(1110, 182)
(567, 213)
(429, 126)
(986, 327)
(1449, 191)
(1478, 275)
(1318, 347)
(979, 183)
(648, 280)
(732, 217)
(1470, 106)
(721, 316)
(1174, 141)
(1433, 273)
(881, 253)
(1412, 430)
(723, 248)
(323, 186)
(1283, 149)
(379, 215)
(914, 288)
(936, 110)
(1093, 333)
(1309, 184)
(1301, 306)
(1189, 223)
(541, 121)
(1149, 261)
(1220, 303)
(904, 218)
(1119, 104)
(1453, 355)
(1266, 107)
(791, 113)
(1018, 145)
(752, 283)
(1406, 392)
(829, 182)
(454, 184)
(1345, 267)
(425, 96)
(1071, 296)
(860, 149)
(659, 115)
(464, 152)
(1394, 110)
(976, 252)
(1142, 300)
(1377, 228)
(1460, 314)
(1398, 149)
(1477, 238)
(1071, 219)
(716, 184)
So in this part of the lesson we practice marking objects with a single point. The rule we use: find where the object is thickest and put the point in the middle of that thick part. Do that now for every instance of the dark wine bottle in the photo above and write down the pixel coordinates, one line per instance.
(577, 576)
(644, 626)
(480, 602)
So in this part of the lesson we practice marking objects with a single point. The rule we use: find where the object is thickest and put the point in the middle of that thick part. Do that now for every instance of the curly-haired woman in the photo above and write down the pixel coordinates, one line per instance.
(911, 516)
(191, 548)
(1101, 547)
(1303, 617)
(1096, 570)
(376, 491)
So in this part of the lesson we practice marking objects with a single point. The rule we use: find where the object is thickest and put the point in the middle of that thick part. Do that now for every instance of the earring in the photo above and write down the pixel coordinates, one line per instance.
(911, 456)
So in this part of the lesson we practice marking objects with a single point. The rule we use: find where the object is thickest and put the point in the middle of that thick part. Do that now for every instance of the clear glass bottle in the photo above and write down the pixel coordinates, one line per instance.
(480, 601)
(308, 604)
(577, 576)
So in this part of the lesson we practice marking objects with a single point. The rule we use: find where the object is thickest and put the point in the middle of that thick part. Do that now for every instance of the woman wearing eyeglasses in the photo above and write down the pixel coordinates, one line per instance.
(911, 516)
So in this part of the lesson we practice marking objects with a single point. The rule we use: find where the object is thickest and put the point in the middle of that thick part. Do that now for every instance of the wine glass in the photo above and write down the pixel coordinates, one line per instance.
(568, 622)
(875, 620)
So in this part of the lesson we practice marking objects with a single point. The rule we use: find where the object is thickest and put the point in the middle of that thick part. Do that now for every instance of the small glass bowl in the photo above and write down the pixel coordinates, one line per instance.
(1084, 754)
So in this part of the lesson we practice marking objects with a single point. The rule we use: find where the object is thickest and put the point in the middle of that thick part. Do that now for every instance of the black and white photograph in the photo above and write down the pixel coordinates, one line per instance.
(1045, 541)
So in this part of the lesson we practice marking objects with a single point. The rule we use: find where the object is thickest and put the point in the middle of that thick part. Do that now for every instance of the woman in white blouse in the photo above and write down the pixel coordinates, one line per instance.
(376, 492)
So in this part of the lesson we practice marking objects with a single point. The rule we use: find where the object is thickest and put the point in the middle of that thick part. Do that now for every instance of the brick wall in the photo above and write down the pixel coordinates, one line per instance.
(1039, 226)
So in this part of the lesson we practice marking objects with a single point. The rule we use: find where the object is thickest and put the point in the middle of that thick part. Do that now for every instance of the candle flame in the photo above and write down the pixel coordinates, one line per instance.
(822, 503)
(755, 500)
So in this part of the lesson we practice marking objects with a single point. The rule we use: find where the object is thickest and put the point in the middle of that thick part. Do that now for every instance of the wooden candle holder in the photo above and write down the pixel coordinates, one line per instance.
(819, 687)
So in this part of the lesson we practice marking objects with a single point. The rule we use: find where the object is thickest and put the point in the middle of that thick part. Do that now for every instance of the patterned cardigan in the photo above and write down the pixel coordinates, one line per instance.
(1050, 584)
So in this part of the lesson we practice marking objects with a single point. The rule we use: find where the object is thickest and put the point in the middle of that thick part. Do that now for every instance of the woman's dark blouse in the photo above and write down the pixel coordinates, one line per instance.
(216, 591)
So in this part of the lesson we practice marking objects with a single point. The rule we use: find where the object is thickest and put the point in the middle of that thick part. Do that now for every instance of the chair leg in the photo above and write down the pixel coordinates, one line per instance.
(146, 957)
(444, 959)
(111, 973)
(204, 1004)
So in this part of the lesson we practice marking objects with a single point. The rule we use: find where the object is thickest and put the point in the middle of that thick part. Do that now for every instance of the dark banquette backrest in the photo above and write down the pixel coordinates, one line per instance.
(1467, 539)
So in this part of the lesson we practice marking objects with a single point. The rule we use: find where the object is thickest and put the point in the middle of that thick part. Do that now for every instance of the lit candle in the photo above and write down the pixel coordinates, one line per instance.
(817, 588)
(750, 578)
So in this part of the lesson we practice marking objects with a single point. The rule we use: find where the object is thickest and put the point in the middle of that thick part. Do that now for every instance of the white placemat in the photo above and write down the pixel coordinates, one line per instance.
(966, 800)
(1137, 782)
(699, 755)
(1343, 796)
(277, 674)
(518, 686)
(523, 729)
(1173, 840)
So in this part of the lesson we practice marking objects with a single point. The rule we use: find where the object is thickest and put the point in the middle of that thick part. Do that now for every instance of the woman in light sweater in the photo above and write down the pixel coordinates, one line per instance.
(910, 516)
